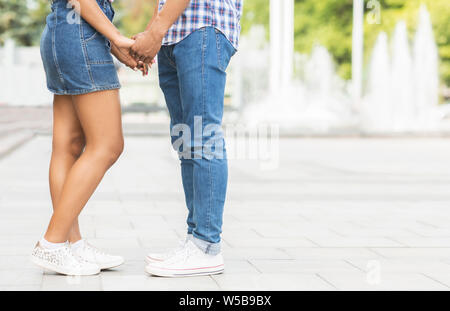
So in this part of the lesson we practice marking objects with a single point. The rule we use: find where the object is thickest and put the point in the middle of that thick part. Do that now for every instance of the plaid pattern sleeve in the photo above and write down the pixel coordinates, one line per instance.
(224, 15)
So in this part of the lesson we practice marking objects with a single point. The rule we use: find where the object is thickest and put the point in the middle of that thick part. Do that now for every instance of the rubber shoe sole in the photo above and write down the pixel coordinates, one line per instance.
(173, 273)
(112, 265)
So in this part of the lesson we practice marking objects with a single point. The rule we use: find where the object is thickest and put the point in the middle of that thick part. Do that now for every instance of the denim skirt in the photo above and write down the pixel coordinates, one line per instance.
(77, 59)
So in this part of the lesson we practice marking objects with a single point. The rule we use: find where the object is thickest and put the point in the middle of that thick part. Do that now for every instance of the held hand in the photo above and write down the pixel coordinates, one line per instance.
(120, 49)
(147, 45)
(123, 55)
(143, 67)
(123, 42)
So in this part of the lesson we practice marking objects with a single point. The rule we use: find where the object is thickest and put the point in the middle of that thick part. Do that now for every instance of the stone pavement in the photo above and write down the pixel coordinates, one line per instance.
(336, 214)
(20, 124)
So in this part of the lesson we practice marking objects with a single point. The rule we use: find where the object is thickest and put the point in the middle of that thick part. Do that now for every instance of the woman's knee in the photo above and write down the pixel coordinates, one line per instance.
(109, 152)
(73, 144)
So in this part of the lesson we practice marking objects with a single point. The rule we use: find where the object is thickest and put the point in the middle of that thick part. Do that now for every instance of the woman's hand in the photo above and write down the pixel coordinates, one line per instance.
(122, 42)
(143, 67)
(123, 55)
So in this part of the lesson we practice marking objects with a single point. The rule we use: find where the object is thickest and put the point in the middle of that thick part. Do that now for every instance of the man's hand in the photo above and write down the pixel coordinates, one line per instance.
(147, 45)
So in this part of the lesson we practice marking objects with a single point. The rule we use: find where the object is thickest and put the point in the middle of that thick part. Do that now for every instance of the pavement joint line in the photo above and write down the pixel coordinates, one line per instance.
(427, 224)
(435, 280)
(414, 232)
(212, 277)
(326, 281)
(254, 266)
(354, 266)
(396, 241)
(308, 239)
(16, 146)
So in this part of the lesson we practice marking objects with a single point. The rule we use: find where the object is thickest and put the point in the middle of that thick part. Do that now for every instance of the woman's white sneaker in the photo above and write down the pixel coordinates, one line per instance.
(189, 261)
(62, 260)
(96, 256)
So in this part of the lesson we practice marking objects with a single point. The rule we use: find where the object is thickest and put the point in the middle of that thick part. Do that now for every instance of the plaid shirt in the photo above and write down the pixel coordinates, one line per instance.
(224, 15)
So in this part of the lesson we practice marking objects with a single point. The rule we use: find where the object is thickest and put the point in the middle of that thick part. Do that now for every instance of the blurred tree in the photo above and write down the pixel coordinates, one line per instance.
(408, 10)
(23, 20)
(133, 15)
(316, 22)
(256, 12)
(329, 23)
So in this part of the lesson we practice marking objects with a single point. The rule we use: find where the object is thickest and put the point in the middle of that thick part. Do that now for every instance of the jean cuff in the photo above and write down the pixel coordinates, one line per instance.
(207, 247)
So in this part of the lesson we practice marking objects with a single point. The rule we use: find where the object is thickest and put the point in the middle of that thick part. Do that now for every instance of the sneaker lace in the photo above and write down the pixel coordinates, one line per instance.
(181, 244)
(181, 255)
(75, 260)
(95, 249)
(178, 248)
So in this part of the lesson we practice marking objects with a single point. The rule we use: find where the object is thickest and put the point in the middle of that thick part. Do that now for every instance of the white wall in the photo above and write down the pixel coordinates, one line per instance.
(22, 77)
(23, 82)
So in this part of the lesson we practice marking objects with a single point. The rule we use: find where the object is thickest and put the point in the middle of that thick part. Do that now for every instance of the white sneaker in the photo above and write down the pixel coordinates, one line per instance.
(189, 261)
(94, 255)
(158, 257)
(62, 260)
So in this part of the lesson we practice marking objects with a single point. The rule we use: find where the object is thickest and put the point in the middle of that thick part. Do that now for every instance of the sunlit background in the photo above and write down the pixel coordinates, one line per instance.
(310, 66)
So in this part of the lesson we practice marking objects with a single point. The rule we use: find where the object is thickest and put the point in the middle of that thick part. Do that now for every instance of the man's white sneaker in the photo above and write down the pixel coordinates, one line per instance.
(94, 255)
(189, 261)
(62, 260)
(158, 257)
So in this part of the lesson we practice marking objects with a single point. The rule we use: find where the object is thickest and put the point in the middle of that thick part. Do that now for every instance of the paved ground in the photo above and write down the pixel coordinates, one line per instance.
(335, 214)
(19, 124)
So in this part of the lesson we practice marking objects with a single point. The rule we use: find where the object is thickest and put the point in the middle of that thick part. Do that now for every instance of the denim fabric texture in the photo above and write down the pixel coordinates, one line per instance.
(192, 76)
(77, 59)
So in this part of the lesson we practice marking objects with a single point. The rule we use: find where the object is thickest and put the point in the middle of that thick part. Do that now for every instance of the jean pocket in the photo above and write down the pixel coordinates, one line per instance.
(98, 50)
(88, 32)
(225, 50)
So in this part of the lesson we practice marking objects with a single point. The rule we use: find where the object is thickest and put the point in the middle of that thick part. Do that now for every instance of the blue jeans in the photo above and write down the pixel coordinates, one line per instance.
(192, 77)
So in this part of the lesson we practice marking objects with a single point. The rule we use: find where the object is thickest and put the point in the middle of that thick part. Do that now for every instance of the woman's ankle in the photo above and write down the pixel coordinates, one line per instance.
(54, 239)
(75, 240)
(50, 245)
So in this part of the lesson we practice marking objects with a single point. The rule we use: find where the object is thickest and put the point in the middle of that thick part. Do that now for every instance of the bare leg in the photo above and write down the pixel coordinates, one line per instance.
(68, 144)
(100, 117)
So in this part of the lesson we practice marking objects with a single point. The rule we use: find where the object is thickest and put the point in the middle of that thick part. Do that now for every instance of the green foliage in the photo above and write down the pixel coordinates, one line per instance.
(23, 20)
(256, 12)
(329, 23)
(326, 22)
(132, 16)
(408, 10)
